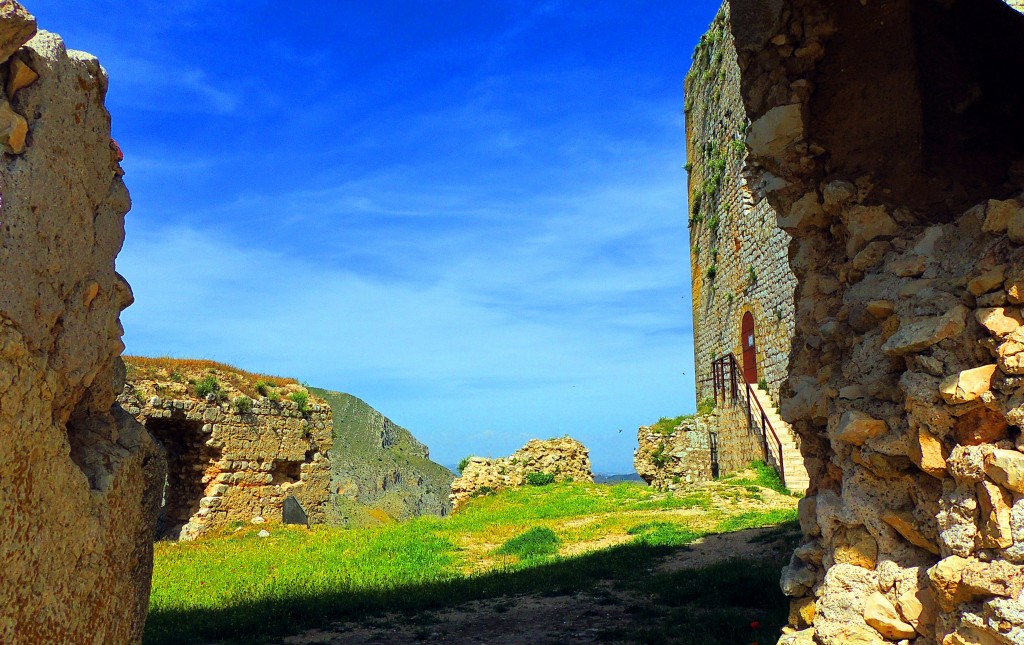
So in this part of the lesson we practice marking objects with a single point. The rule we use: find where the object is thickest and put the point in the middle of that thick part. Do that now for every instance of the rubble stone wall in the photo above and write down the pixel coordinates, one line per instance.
(683, 457)
(739, 254)
(738, 443)
(79, 478)
(231, 462)
(892, 147)
(565, 458)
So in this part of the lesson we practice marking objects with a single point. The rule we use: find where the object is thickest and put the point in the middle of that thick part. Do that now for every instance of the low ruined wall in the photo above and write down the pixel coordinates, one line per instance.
(229, 463)
(683, 457)
(565, 458)
(895, 156)
(79, 478)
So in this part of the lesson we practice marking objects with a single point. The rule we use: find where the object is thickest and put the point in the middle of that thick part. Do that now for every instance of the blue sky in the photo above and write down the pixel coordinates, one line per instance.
(469, 214)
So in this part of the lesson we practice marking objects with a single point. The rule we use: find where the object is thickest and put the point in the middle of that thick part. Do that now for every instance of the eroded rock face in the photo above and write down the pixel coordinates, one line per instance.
(80, 476)
(565, 458)
(922, 232)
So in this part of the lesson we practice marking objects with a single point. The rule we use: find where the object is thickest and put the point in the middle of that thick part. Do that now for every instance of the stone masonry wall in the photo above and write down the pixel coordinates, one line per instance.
(738, 444)
(894, 147)
(79, 478)
(565, 458)
(232, 458)
(738, 252)
(683, 457)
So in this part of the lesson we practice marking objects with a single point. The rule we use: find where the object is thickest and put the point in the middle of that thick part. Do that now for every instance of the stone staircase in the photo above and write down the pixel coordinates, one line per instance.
(797, 479)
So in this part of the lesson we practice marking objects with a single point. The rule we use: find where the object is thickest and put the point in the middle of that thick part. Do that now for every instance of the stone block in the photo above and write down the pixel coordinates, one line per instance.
(17, 27)
(881, 614)
(921, 333)
(780, 127)
(1006, 468)
(857, 427)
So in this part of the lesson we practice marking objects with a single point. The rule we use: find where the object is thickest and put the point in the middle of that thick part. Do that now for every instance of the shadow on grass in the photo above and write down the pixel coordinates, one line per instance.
(714, 604)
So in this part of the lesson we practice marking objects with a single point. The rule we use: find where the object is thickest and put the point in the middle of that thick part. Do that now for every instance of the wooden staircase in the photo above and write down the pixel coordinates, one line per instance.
(797, 479)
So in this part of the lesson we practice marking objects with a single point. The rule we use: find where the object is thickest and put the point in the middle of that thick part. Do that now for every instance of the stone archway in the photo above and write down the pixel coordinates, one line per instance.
(188, 460)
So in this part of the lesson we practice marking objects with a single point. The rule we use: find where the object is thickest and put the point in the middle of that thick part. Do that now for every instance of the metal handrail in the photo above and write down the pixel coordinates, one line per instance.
(728, 363)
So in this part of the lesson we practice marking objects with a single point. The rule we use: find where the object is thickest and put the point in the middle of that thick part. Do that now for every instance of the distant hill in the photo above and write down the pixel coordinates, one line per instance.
(379, 471)
(615, 479)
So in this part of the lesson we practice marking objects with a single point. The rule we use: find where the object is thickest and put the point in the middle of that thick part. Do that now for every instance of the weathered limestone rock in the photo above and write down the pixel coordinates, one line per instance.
(928, 454)
(1000, 321)
(956, 580)
(804, 213)
(857, 427)
(856, 546)
(801, 612)
(994, 503)
(988, 281)
(968, 385)
(1006, 468)
(841, 602)
(19, 76)
(997, 215)
(906, 525)
(565, 458)
(980, 426)
(916, 602)
(880, 614)
(17, 27)
(82, 478)
(866, 224)
(779, 128)
(922, 333)
(1011, 353)
(13, 129)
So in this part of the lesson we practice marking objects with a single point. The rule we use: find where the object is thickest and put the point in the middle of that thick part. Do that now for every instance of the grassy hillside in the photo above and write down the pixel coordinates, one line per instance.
(380, 469)
(600, 547)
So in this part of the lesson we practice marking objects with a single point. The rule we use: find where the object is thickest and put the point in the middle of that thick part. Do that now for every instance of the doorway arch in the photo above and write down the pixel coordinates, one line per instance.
(749, 343)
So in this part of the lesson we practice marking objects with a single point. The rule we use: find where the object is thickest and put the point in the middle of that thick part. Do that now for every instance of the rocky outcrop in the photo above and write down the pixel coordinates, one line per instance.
(237, 444)
(80, 476)
(563, 459)
(668, 459)
(891, 121)
(379, 471)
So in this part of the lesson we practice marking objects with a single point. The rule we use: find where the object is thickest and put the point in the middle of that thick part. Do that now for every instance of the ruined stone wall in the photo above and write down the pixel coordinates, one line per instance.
(894, 146)
(565, 458)
(232, 458)
(668, 462)
(79, 478)
(738, 252)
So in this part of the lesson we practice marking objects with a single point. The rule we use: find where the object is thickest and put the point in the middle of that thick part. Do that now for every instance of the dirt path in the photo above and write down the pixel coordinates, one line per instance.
(604, 614)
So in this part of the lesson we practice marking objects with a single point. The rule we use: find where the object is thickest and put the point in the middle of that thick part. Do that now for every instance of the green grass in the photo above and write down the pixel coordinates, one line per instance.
(667, 426)
(557, 539)
(765, 476)
(300, 399)
(540, 479)
(206, 386)
(538, 541)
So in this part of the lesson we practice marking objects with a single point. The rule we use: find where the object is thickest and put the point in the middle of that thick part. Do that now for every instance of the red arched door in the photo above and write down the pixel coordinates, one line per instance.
(749, 349)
